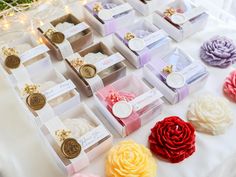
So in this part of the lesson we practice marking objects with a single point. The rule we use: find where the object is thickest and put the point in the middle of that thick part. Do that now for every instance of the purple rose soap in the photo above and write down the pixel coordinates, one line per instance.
(219, 52)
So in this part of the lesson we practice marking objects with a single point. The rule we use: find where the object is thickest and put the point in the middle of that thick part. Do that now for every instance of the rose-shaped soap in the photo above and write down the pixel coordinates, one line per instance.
(230, 86)
(219, 52)
(210, 114)
(83, 175)
(78, 126)
(172, 139)
(129, 159)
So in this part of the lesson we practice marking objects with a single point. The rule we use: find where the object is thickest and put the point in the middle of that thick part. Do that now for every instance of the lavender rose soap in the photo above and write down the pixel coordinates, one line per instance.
(218, 52)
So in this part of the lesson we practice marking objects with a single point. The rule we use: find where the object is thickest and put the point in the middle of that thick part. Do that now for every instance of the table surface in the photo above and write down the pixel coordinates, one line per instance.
(25, 155)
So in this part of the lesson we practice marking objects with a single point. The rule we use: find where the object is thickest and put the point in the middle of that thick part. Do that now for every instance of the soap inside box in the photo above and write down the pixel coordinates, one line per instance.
(142, 25)
(100, 47)
(47, 80)
(23, 44)
(182, 7)
(57, 78)
(137, 88)
(81, 111)
(73, 20)
(180, 60)
(104, 75)
(115, 3)
(77, 41)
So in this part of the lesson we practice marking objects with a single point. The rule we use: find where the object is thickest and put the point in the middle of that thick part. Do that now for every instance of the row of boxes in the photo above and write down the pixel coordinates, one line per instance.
(56, 105)
(125, 101)
(179, 18)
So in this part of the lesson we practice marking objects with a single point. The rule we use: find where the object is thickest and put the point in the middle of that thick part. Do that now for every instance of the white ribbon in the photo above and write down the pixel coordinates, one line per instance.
(65, 47)
(96, 82)
(47, 111)
(20, 73)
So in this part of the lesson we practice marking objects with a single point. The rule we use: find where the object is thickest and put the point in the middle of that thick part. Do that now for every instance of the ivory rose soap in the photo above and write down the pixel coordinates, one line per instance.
(210, 114)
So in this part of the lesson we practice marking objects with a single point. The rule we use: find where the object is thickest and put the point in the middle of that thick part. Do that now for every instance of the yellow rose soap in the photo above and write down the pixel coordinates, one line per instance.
(129, 159)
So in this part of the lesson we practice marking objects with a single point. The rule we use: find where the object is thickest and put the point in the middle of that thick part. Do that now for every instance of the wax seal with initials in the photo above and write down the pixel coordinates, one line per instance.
(87, 71)
(70, 148)
(12, 59)
(122, 109)
(57, 37)
(175, 80)
(36, 101)
(136, 44)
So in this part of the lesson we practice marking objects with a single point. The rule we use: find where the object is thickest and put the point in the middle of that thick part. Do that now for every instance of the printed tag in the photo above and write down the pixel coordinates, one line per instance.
(93, 137)
(109, 61)
(33, 52)
(120, 9)
(59, 89)
(194, 13)
(154, 37)
(145, 99)
(75, 29)
(192, 70)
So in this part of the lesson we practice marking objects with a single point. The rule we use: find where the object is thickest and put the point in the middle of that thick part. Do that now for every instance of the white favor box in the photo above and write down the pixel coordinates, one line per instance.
(155, 79)
(93, 143)
(60, 97)
(158, 42)
(106, 27)
(34, 59)
(188, 28)
(147, 103)
(146, 8)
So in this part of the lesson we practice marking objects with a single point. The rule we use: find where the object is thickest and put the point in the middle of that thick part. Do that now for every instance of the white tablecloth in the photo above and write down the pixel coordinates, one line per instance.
(27, 155)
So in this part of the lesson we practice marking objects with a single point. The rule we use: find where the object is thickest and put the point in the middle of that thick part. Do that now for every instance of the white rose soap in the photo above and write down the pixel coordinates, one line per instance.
(210, 114)
(78, 126)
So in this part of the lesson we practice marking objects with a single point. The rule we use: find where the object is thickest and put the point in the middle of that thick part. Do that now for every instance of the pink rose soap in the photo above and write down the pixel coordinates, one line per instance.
(230, 86)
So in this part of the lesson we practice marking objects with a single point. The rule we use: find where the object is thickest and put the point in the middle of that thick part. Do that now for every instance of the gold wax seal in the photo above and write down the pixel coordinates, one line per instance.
(129, 36)
(169, 12)
(87, 71)
(168, 69)
(57, 37)
(36, 101)
(12, 61)
(70, 148)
